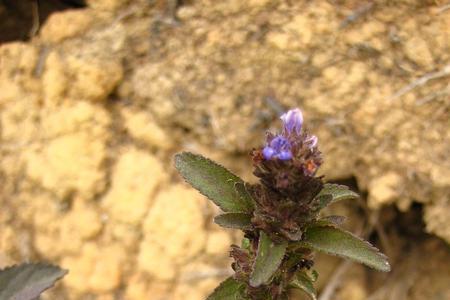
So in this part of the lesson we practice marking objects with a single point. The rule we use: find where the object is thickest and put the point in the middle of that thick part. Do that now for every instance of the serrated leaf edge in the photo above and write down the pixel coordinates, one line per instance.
(242, 205)
(222, 284)
(64, 272)
(353, 195)
(34, 264)
(370, 246)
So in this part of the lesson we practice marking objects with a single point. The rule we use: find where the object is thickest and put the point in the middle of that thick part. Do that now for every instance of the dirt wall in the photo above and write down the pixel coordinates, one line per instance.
(94, 106)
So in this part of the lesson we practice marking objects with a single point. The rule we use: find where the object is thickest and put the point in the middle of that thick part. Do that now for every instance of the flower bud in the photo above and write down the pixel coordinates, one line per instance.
(292, 121)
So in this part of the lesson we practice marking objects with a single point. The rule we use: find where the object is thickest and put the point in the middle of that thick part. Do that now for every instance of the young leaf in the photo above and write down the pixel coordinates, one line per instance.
(335, 241)
(268, 259)
(230, 289)
(338, 192)
(214, 181)
(28, 281)
(303, 282)
(332, 193)
(234, 220)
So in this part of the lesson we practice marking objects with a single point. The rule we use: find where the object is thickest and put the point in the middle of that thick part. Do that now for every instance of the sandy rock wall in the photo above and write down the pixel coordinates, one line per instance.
(93, 108)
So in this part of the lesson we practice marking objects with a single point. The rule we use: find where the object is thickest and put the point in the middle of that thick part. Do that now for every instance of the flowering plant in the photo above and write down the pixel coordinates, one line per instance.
(280, 216)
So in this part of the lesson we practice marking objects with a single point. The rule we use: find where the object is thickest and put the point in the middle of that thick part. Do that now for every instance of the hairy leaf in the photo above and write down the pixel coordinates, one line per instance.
(335, 241)
(28, 281)
(337, 192)
(241, 189)
(215, 182)
(303, 282)
(230, 289)
(268, 259)
(234, 220)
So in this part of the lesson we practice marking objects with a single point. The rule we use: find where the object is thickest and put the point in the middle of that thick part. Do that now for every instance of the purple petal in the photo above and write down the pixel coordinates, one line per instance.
(279, 143)
(268, 152)
(279, 147)
(285, 155)
(292, 121)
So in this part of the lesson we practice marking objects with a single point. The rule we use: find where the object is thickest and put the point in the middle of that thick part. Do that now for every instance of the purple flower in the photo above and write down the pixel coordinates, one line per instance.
(292, 121)
(279, 147)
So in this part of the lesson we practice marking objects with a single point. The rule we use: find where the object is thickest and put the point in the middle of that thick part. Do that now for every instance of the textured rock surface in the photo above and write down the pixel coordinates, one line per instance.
(166, 243)
(136, 177)
(93, 108)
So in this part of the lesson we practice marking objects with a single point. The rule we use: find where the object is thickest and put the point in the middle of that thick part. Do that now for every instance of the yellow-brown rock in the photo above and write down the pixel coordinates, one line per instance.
(384, 190)
(218, 242)
(63, 25)
(173, 231)
(97, 269)
(108, 5)
(93, 79)
(142, 127)
(67, 235)
(135, 179)
(140, 287)
(70, 163)
(153, 260)
(71, 160)
(54, 79)
(197, 281)
(94, 106)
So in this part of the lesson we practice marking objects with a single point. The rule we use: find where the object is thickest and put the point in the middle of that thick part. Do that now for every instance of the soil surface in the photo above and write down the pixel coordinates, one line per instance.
(94, 106)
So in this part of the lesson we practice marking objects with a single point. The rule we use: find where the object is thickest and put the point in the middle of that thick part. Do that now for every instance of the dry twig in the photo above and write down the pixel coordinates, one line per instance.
(422, 81)
(338, 274)
(358, 13)
(433, 96)
(335, 280)
(443, 8)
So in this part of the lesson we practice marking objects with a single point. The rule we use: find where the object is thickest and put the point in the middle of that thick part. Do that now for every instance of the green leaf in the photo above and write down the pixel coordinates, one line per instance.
(215, 182)
(339, 192)
(303, 282)
(234, 220)
(268, 259)
(241, 189)
(335, 241)
(28, 281)
(230, 289)
(320, 202)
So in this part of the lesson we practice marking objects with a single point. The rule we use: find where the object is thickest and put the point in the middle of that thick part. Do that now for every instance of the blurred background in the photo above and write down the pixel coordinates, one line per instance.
(97, 96)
